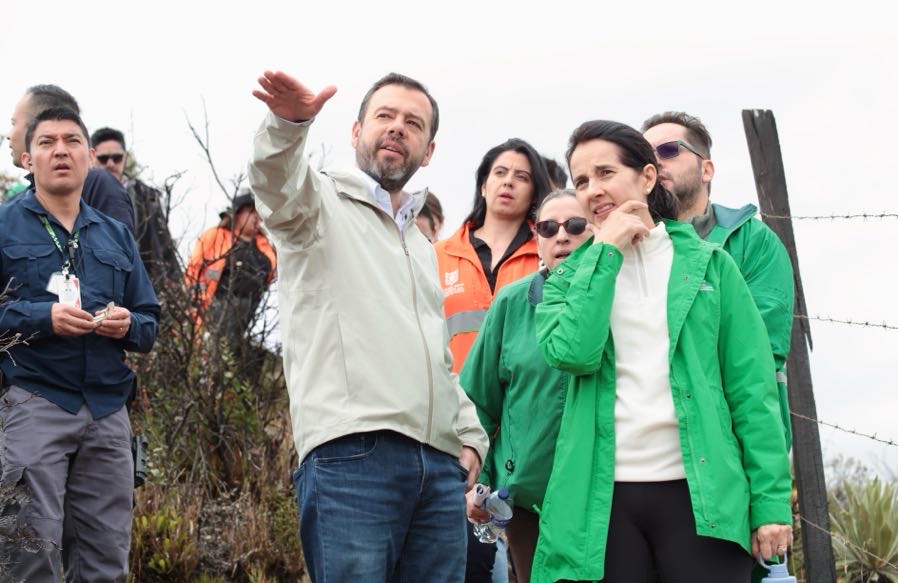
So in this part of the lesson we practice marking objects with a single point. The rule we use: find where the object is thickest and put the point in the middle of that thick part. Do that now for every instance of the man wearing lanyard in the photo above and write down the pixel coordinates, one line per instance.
(79, 296)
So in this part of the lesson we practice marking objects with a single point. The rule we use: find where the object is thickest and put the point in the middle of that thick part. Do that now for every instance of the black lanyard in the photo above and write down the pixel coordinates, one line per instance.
(72, 245)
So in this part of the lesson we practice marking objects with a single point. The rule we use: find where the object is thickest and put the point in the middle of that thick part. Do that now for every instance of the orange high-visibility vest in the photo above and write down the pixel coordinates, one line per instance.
(466, 290)
(208, 262)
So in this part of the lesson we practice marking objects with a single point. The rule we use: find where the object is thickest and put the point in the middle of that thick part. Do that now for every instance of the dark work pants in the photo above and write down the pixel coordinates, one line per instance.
(79, 476)
(652, 531)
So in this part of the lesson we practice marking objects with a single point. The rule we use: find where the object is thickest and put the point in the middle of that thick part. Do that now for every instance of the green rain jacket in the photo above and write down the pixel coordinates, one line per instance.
(516, 393)
(723, 389)
(764, 263)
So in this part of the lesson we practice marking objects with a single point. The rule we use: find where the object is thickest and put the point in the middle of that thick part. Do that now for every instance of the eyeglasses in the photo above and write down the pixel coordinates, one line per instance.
(672, 149)
(104, 158)
(572, 226)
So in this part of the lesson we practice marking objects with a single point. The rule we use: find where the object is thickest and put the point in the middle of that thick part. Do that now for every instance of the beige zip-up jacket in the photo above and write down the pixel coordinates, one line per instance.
(364, 337)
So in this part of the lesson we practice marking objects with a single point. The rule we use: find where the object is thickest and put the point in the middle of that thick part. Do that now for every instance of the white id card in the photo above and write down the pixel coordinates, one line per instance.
(70, 291)
(55, 283)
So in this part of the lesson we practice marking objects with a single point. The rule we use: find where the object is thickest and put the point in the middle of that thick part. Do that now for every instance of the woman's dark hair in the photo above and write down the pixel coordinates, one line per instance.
(538, 173)
(635, 152)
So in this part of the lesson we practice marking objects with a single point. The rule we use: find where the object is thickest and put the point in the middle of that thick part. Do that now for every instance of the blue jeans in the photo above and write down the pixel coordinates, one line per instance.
(380, 506)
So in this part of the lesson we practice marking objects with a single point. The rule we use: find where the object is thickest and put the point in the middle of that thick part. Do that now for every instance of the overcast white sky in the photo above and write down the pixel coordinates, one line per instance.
(535, 71)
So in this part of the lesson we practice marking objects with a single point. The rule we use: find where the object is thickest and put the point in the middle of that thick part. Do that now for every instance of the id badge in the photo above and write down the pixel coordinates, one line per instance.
(70, 291)
(55, 283)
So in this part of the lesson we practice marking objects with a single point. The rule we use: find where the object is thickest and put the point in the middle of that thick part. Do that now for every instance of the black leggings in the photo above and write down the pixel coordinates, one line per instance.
(652, 537)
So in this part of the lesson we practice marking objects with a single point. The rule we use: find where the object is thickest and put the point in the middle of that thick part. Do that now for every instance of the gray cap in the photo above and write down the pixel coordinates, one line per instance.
(241, 200)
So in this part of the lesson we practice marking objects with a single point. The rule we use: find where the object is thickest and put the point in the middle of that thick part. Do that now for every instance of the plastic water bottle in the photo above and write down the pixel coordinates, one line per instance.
(498, 504)
(777, 573)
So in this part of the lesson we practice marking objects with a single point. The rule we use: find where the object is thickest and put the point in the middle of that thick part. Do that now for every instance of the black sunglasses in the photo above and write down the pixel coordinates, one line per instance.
(103, 158)
(672, 149)
(572, 226)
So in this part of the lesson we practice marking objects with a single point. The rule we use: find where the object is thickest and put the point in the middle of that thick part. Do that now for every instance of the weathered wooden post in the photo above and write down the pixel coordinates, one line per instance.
(770, 180)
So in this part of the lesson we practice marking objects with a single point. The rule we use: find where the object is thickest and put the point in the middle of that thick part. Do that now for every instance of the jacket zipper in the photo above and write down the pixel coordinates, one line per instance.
(411, 272)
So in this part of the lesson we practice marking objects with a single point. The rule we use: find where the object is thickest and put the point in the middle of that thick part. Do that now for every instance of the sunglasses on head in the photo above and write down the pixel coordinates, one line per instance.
(104, 158)
(672, 149)
(572, 226)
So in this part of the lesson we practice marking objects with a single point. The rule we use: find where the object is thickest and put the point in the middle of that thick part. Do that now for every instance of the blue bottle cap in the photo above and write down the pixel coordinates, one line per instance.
(777, 573)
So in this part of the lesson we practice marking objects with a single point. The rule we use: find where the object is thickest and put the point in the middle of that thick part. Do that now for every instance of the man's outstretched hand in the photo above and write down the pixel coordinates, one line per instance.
(289, 99)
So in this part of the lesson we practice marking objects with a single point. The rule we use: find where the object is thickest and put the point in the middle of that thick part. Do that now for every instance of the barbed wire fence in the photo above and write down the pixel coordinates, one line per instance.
(832, 217)
(836, 426)
(848, 543)
(813, 511)
(875, 437)
(839, 427)
(872, 556)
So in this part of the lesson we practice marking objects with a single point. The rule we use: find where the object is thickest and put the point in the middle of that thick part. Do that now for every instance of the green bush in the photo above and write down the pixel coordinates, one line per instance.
(864, 518)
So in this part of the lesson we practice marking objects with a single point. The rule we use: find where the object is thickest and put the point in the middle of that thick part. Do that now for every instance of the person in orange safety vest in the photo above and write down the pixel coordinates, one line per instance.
(495, 245)
(231, 266)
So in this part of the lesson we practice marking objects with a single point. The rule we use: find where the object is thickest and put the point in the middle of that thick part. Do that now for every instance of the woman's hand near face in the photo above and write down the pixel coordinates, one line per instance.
(623, 226)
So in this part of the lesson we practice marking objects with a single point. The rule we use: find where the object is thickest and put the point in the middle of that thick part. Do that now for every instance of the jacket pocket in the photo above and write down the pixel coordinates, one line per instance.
(109, 272)
(29, 267)
(705, 312)
(725, 420)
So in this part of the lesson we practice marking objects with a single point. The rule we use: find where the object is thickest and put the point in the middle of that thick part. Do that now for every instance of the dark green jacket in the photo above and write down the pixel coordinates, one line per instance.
(723, 389)
(516, 393)
(764, 263)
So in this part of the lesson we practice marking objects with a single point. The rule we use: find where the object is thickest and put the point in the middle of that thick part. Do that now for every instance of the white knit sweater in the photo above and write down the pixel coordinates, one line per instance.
(645, 424)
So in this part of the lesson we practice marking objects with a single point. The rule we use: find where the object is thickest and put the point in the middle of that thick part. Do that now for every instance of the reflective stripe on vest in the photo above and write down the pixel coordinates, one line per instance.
(781, 377)
(468, 321)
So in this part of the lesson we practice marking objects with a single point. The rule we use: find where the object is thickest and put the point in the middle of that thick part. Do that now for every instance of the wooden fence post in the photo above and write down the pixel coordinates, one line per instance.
(770, 180)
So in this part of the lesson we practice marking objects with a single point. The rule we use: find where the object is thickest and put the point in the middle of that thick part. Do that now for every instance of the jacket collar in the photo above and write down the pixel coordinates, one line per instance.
(719, 222)
(459, 245)
(355, 184)
(535, 291)
(86, 214)
(687, 274)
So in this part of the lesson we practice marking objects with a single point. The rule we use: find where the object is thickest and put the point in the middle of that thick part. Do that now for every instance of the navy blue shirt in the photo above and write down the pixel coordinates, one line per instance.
(103, 192)
(71, 370)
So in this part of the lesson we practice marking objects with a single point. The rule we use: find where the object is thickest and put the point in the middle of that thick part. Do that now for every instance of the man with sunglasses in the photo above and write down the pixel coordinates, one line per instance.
(101, 191)
(157, 248)
(683, 147)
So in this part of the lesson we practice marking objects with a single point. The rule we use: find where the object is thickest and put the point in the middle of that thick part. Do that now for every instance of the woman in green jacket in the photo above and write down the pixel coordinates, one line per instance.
(670, 461)
(514, 389)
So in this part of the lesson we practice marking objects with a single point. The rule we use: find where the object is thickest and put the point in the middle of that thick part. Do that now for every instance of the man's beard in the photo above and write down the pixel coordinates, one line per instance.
(391, 177)
(686, 196)
(688, 190)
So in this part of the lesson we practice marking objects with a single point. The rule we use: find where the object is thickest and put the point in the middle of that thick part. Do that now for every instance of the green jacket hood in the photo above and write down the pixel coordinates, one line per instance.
(719, 222)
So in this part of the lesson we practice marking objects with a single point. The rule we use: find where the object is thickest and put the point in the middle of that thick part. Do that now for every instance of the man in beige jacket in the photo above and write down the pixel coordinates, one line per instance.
(388, 442)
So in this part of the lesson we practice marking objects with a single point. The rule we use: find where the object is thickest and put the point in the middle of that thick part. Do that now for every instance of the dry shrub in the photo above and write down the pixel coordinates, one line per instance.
(219, 502)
